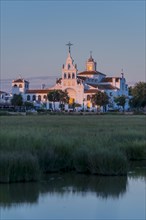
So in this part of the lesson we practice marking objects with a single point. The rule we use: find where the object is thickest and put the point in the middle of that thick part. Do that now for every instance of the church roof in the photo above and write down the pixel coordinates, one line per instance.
(41, 91)
(104, 86)
(109, 79)
(91, 91)
(20, 81)
(90, 73)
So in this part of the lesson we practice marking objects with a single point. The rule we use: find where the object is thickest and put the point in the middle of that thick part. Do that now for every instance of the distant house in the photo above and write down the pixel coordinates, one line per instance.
(79, 86)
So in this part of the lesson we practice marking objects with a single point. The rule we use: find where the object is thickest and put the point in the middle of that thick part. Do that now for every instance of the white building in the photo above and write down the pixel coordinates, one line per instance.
(79, 86)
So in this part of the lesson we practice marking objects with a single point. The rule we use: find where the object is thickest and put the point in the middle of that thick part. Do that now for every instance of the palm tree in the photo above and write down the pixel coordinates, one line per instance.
(100, 98)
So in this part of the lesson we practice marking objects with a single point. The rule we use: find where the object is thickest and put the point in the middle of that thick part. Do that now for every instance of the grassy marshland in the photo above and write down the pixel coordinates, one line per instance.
(99, 144)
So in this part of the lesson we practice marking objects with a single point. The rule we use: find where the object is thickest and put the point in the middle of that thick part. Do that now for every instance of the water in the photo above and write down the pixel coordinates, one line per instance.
(74, 196)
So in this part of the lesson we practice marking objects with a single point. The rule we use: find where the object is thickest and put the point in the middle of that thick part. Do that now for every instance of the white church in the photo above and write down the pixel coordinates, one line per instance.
(79, 86)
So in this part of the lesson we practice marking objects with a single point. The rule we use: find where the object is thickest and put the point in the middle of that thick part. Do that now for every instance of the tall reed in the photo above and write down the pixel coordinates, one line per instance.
(99, 144)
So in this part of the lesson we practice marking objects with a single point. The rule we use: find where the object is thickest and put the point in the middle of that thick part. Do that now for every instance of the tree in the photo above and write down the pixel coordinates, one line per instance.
(17, 100)
(121, 101)
(130, 90)
(63, 98)
(138, 93)
(58, 96)
(54, 96)
(100, 98)
(28, 105)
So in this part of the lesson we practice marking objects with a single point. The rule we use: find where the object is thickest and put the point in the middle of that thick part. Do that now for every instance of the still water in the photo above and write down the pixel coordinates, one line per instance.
(74, 196)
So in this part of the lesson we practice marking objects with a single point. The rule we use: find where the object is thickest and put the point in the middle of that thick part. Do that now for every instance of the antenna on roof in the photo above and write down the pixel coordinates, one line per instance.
(20, 77)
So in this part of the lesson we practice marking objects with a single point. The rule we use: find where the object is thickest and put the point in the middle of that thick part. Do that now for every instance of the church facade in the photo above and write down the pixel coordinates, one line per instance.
(79, 86)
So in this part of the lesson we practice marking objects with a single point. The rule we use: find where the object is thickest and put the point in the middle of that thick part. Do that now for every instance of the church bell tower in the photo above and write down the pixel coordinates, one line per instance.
(90, 64)
(69, 70)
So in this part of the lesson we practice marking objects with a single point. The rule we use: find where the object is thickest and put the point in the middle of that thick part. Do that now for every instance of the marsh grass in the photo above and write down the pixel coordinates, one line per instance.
(16, 167)
(96, 144)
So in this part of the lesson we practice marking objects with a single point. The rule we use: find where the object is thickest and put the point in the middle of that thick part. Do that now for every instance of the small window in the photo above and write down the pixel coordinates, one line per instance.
(68, 75)
(28, 98)
(39, 98)
(20, 85)
(68, 66)
(33, 97)
(64, 75)
(73, 75)
(45, 97)
(15, 85)
(88, 97)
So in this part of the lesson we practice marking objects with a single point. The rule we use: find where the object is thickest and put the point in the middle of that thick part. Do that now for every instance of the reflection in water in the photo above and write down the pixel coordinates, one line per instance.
(72, 196)
(62, 183)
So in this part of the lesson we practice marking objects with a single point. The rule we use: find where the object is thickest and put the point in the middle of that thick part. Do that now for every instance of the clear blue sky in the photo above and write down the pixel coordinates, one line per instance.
(34, 34)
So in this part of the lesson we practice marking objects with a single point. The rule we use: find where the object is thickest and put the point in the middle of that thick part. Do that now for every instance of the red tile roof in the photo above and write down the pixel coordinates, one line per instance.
(109, 79)
(20, 81)
(42, 91)
(104, 86)
(91, 91)
(109, 87)
(90, 73)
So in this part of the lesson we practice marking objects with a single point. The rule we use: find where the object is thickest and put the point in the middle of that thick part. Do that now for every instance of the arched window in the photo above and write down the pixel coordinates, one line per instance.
(68, 66)
(33, 97)
(45, 97)
(68, 75)
(15, 85)
(73, 75)
(64, 75)
(20, 85)
(88, 97)
(39, 98)
(28, 97)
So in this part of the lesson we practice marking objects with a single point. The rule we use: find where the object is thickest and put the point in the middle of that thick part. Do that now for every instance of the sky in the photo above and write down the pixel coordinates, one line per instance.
(34, 35)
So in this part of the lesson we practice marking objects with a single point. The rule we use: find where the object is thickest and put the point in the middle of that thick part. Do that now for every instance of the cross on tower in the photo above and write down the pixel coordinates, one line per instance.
(69, 45)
